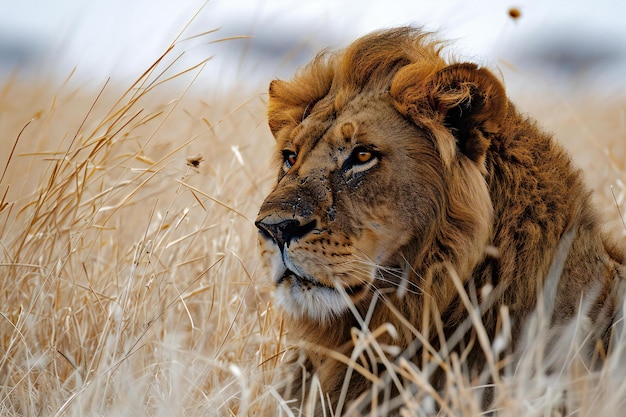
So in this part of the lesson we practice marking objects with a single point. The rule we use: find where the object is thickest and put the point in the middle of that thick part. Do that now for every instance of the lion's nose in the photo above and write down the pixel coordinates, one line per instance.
(283, 232)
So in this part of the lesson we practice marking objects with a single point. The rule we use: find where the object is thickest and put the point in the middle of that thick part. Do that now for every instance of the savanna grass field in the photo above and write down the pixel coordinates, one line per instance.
(131, 282)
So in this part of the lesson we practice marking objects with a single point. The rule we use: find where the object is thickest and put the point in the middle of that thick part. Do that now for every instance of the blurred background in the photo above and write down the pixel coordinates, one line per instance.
(564, 45)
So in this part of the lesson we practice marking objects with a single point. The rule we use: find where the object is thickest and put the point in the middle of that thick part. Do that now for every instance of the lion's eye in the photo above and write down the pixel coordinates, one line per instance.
(361, 160)
(289, 157)
(363, 156)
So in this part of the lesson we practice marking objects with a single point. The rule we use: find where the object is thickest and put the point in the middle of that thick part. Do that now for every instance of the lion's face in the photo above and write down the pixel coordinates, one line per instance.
(353, 190)
(381, 176)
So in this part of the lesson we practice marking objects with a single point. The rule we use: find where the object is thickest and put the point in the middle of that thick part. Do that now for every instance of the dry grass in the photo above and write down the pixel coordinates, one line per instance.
(128, 254)
(130, 280)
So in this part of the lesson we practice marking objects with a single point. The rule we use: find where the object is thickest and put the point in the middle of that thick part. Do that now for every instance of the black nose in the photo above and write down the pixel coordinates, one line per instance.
(283, 232)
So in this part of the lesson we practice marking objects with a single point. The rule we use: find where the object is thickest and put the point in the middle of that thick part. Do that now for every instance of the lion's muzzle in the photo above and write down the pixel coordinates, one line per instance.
(316, 274)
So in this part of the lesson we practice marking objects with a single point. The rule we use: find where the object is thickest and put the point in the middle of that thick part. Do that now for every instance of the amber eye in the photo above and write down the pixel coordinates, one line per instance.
(289, 157)
(362, 159)
(363, 156)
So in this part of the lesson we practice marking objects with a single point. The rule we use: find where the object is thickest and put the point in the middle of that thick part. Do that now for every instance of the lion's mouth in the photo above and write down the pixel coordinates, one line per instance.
(308, 283)
(297, 279)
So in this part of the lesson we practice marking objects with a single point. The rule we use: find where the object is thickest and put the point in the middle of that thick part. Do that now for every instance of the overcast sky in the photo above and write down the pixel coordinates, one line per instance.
(120, 38)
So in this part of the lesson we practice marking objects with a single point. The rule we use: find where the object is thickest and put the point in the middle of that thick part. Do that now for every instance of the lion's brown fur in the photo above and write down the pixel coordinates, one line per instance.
(483, 175)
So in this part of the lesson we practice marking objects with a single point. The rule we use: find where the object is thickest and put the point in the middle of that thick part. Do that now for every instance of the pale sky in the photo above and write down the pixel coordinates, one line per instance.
(120, 38)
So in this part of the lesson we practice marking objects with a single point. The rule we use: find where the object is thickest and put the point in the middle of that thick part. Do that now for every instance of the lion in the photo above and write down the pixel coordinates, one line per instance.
(406, 186)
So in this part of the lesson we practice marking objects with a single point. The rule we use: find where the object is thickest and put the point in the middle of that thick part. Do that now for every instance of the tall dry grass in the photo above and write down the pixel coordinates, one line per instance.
(128, 255)
(130, 278)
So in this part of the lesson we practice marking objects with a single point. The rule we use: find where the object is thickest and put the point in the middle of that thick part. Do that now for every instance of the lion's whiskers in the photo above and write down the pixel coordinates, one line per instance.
(403, 284)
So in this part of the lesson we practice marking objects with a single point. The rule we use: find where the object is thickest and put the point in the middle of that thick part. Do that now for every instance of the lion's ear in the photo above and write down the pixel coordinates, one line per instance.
(472, 102)
(467, 100)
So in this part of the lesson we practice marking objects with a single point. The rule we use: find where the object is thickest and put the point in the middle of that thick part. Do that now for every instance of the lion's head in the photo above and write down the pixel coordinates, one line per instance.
(381, 156)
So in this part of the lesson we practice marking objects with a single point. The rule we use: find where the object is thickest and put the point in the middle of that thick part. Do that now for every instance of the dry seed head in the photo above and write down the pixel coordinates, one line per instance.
(195, 161)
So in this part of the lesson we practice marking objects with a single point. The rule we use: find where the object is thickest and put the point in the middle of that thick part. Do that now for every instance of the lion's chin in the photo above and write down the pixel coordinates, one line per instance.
(304, 298)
